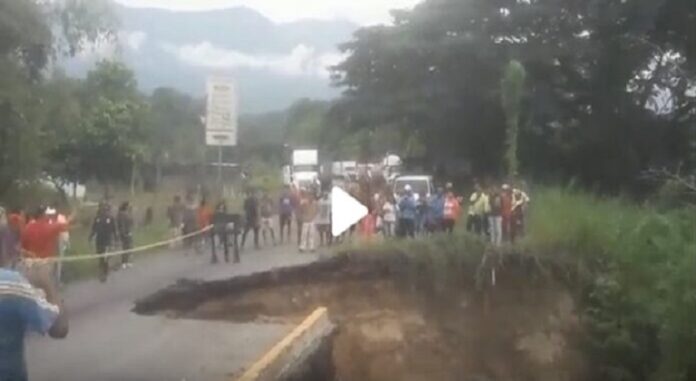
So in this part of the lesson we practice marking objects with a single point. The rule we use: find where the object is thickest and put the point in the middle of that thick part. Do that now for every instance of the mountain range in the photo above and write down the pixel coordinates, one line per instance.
(273, 64)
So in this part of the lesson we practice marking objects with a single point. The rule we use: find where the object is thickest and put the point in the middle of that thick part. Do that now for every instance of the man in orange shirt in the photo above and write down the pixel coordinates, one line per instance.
(451, 210)
(204, 215)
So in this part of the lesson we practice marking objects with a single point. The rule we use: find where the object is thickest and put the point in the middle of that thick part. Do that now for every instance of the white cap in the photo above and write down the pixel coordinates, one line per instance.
(506, 187)
(50, 211)
(407, 187)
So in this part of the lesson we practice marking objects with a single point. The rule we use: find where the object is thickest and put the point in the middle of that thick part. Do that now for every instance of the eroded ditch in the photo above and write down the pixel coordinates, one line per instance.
(392, 327)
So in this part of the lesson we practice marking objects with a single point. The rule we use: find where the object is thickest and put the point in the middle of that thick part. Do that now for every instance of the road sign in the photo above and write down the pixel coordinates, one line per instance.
(220, 138)
(345, 211)
(221, 112)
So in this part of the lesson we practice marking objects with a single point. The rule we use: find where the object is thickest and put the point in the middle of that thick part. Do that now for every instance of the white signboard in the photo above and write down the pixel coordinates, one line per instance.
(305, 157)
(221, 113)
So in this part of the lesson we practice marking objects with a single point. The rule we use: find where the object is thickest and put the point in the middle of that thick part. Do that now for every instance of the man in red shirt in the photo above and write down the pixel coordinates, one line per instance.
(40, 238)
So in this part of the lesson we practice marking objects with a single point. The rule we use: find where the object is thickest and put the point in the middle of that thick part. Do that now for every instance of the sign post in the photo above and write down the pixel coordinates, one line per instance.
(219, 172)
(221, 117)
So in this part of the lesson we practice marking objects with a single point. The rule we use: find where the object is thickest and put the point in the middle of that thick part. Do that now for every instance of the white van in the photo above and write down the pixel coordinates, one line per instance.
(420, 185)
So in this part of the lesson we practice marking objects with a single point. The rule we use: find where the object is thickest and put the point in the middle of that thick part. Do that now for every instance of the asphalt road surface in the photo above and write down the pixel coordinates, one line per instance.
(109, 342)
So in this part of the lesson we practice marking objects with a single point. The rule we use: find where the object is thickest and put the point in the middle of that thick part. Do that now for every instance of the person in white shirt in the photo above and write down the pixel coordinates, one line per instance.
(323, 220)
(63, 241)
(388, 217)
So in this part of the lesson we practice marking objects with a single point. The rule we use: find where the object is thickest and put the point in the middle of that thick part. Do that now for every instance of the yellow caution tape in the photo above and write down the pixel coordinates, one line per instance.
(31, 257)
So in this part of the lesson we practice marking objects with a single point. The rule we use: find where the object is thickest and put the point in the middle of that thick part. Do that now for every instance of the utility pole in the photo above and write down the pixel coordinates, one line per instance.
(219, 169)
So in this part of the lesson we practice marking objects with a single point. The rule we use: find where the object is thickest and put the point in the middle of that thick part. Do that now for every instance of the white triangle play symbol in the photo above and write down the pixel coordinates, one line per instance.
(345, 211)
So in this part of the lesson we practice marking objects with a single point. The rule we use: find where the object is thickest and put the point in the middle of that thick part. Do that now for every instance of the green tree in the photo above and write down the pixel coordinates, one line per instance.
(32, 34)
(305, 122)
(174, 124)
(109, 140)
(61, 122)
(512, 91)
(590, 79)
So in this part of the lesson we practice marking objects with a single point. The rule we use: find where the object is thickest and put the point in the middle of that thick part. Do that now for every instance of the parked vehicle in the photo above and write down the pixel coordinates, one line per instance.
(305, 167)
(347, 169)
(420, 184)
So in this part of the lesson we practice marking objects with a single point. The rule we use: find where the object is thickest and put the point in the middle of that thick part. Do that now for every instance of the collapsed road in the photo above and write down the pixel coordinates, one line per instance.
(107, 341)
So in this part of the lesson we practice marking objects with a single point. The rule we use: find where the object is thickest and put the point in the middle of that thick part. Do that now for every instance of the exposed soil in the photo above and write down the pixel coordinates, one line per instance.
(517, 331)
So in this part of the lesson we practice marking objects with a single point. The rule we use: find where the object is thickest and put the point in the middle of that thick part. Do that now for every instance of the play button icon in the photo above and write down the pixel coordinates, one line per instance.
(345, 211)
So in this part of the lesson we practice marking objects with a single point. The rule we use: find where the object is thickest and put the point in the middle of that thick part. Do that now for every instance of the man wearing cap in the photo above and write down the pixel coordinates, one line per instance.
(407, 213)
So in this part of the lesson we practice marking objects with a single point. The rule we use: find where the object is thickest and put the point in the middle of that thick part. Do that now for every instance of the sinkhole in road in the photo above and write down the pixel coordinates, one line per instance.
(395, 327)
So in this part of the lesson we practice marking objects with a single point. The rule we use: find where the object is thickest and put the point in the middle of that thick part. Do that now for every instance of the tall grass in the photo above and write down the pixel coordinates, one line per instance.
(562, 221)
(432, 264)
(637, 284)
(639, 300)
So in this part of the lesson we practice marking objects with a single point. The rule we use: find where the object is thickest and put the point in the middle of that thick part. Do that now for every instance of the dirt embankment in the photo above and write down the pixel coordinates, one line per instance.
(518, 330)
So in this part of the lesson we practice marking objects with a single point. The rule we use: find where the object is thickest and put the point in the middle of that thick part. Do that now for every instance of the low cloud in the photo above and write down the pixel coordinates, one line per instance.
(302, 60)
(104, 48)
(363, 12)
(101, 48)
(133, 40)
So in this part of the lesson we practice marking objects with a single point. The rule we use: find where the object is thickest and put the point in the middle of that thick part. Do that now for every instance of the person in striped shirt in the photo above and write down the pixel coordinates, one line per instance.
(26, 307)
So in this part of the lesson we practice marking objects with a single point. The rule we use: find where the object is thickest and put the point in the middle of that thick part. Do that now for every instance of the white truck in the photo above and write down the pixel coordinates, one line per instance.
(391, 167)
(305, 167)
(345, 169)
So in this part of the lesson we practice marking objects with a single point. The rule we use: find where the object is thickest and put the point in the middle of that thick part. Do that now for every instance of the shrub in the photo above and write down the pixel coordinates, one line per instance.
(639, 299)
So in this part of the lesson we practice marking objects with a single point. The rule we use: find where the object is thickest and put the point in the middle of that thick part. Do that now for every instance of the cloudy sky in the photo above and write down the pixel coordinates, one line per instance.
(363, 12)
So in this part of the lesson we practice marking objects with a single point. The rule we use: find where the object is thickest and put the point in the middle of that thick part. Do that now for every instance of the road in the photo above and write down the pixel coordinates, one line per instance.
(109, 342)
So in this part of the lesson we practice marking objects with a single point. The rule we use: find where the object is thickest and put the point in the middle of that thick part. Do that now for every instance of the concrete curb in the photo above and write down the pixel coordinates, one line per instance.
(295, 353)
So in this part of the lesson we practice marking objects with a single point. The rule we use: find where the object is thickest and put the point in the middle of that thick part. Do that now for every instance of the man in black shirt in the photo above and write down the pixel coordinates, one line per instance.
(224, 224)
(251, 211)
(104, 235)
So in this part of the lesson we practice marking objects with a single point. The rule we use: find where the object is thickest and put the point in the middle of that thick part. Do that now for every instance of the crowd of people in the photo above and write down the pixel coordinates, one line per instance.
(307, 211)
(44, 234)
(422, 215)
(497, 213)
(494, 212)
